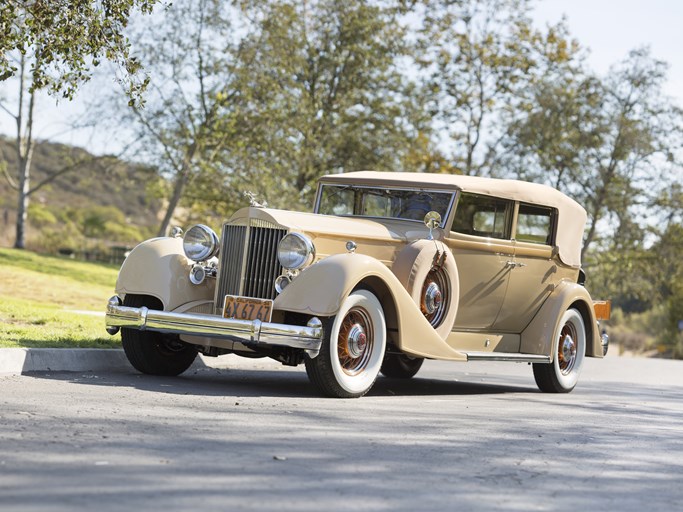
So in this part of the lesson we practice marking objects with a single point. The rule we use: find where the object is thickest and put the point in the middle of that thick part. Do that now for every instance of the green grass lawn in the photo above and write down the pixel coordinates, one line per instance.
(44, 301)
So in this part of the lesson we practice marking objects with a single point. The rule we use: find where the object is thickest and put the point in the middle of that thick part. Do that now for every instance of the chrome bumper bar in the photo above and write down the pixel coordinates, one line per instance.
(245, 331)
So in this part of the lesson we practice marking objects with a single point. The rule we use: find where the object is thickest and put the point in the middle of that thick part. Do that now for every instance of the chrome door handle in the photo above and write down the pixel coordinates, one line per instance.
(515, 264)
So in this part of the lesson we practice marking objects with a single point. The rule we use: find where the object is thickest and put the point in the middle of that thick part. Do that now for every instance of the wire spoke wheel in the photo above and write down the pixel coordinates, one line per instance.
(352, 348)
(355, 341)
(569, 349)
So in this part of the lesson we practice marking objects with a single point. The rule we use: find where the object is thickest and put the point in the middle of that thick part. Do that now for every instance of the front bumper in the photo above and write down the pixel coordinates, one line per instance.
(244, 331)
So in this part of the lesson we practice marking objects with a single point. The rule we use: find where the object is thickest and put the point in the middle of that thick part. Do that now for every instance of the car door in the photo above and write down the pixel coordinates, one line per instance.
(480, 239)
(533, 271)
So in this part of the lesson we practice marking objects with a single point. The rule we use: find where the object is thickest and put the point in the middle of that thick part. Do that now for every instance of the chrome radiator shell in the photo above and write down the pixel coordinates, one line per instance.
(248, 264)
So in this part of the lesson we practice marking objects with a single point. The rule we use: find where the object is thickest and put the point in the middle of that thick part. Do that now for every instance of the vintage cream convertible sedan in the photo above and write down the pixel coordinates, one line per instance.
(389, 270)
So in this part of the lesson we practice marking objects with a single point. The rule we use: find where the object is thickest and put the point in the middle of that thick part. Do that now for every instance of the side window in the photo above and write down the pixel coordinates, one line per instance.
(535, 224)
(482, 216)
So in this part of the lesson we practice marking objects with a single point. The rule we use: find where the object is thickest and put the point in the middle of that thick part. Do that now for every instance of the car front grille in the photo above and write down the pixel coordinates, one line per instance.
(248, 261)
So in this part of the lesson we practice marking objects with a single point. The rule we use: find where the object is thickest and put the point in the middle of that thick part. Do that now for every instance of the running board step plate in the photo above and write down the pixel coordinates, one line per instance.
(503, 356)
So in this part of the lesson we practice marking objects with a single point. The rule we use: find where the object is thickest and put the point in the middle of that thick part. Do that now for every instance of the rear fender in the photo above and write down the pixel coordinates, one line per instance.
(538, 336)
(159, 267)
(321, 288)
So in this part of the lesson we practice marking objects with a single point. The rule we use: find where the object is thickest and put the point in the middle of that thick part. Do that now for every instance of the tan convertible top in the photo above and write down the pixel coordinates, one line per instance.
(571, 218)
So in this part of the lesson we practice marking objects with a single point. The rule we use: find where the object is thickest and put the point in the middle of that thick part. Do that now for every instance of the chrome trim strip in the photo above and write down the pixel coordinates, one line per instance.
(504, 356)
(246, 331)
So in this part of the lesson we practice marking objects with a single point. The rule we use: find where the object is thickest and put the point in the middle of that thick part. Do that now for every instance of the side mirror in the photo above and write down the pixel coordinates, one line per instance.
(432, 220)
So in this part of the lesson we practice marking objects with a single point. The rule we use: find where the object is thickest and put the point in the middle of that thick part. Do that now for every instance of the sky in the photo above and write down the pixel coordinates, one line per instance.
(609, 28)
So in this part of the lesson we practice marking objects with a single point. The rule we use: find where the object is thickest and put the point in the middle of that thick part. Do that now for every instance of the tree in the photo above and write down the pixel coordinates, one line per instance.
(45, 48)
(478, 58)
(188, 119)
(67, 40)
(612, 144)
(326, 94)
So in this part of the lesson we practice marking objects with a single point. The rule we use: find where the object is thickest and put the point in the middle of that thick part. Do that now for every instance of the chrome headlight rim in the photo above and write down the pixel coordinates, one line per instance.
(200, 243)
(306, 253)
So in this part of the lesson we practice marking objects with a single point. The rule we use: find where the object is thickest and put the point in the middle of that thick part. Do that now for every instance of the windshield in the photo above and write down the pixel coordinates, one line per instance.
(382, 202)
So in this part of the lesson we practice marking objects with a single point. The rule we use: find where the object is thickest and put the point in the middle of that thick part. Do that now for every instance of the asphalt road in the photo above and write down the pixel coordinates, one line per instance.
(253, 436)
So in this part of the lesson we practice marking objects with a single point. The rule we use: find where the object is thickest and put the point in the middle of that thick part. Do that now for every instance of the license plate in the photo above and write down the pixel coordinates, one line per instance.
(247, 308)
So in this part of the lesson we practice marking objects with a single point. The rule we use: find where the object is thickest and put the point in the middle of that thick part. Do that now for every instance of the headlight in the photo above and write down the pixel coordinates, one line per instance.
(295, 251)
(200, 243)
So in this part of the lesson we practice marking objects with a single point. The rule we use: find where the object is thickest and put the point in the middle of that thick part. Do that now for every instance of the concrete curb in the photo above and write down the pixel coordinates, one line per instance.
(17, 361)
(21, 360)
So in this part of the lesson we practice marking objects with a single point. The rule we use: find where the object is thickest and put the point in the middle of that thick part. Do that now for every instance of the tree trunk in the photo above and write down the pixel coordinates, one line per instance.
(22, 204)
(24, 148)
(178, 188)
(182, 177)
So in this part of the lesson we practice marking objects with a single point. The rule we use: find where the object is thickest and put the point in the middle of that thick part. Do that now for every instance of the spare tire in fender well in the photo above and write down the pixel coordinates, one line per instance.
(430, 259)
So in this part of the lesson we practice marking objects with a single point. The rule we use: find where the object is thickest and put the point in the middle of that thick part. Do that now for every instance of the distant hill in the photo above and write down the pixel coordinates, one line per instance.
(101, 197)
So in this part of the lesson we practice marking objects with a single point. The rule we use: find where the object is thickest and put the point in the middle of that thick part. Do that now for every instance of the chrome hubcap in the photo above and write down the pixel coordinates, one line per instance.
(435, 293)
(433, 298)
(567, 354)
(356, 341)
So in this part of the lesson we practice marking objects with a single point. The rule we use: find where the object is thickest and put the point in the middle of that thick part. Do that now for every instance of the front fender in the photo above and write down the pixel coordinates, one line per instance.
(159, 267)
(321, 288)
(538, 336)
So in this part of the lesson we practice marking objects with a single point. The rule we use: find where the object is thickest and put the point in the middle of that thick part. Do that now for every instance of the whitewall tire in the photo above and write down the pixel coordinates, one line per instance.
(569, 351)
(352, 348)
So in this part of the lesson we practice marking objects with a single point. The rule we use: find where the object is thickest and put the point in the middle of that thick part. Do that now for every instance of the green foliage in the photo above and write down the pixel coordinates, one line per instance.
(189, 115)
(668, 273)
(478, 59)
(672, 337)
(41, 216)
(632, 332)
(610, 143)
(643, 281)
(90, 227)
(321, 91)
(103, 198)
(67, 39)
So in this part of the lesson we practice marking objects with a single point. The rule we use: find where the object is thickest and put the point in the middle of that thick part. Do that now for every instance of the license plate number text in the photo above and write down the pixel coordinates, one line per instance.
(247, 308)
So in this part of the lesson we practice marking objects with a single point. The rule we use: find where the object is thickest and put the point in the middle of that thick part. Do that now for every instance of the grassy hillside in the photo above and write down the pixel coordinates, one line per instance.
(53, 302)
(99, 198)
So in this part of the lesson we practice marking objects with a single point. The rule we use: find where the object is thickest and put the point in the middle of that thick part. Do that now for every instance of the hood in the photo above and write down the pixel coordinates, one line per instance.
(314, 224)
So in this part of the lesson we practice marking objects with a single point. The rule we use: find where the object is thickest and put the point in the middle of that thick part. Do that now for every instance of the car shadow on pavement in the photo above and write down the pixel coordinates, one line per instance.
(438, 387)
(271, 383)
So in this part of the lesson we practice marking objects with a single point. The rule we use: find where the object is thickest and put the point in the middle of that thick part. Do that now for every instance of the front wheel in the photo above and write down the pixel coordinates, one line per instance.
(153, 352)
(562, 374)
(352, 348)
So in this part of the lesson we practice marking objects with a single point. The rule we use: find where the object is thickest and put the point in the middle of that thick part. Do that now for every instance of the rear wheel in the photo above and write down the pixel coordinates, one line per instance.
(401, 366)
(153, 352)
(562, 374)
(352, 348)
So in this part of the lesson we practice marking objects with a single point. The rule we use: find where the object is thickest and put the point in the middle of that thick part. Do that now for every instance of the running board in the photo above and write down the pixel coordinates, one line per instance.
(503, 356)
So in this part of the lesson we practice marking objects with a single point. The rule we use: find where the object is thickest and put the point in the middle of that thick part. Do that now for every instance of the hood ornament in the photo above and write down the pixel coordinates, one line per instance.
(252, 200)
